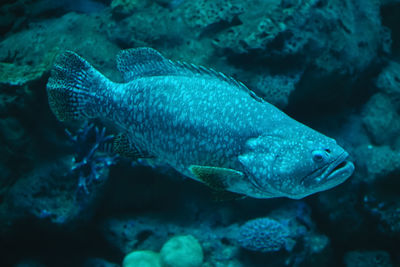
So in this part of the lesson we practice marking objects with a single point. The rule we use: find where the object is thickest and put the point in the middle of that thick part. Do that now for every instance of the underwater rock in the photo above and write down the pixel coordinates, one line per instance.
(13, 133)
(181, 251)
(389, 83)
(310, 247)
(7, 101)
(220, 254)
(12, 74)
(219, 242)
(207, 17)
(17, 15)
(47, 193)
(342, 218)
(389, 218)
(124, 8)
(272, 46)
(15, 146)
(13, 16)
(318, 251)
(135, 233)
(378, 162)
(276, 89)
(338, 36)
(367, 259)
(172, 4)
(381, 119)
(65, 190)
(144, 233)
(50, 8)
(48, 38)
(143, 258)
(390, 18)
(151, 26)
(384, 206)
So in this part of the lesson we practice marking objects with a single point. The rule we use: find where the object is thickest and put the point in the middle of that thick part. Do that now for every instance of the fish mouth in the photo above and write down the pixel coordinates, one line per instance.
(333, 173)
(338, 168)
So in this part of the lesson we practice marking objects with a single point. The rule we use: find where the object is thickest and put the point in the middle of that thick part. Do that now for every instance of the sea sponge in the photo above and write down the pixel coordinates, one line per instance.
(264, 235)
(142, 258)
(181, 251)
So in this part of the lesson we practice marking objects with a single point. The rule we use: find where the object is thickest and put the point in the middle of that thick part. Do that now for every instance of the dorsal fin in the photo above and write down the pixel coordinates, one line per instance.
(142, 62)
(145, 62)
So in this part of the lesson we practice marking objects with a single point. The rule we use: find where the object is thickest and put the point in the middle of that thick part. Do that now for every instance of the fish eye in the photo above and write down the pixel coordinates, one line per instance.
(319, 155)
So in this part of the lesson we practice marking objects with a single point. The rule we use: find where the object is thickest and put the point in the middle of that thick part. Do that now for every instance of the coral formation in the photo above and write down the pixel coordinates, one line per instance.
(181, 251)
(264, 235)
(178, 251)
(388, 81)
(381, 119)
(276, 89)
(88, 162)
(145, 258)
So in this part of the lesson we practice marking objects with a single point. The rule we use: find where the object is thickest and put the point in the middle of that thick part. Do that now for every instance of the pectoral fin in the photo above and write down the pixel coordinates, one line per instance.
(219, 179)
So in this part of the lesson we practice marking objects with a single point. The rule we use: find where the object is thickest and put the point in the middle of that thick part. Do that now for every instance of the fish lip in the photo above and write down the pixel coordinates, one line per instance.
(336, 174)
(328, 170)
(331, 171)
(348, 168)
(331, 174)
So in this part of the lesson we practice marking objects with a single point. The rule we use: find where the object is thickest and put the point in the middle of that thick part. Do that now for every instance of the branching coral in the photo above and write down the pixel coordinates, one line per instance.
(91, 161)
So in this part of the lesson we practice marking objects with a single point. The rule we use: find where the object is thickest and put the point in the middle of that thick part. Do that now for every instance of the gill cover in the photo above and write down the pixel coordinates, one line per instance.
(258, 159)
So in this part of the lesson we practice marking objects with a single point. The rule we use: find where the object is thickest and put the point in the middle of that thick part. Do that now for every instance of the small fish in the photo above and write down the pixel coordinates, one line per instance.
(203, 123)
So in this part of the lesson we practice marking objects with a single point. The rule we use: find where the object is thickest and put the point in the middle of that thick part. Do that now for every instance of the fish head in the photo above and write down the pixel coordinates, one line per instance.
(295, 164)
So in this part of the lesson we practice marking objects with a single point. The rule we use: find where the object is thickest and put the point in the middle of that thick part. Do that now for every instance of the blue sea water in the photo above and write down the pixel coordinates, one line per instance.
(66, 199)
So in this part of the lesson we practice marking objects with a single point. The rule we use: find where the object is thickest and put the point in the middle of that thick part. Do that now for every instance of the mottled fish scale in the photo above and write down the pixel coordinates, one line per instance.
(204, 124)
(170, 125)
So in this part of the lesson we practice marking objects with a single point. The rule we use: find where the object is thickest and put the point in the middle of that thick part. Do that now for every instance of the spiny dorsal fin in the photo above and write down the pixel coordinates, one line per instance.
(146, 62)
(142, 62)
(201, 70)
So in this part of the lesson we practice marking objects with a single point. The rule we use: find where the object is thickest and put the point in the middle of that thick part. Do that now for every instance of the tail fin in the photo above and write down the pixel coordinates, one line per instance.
(74, 87)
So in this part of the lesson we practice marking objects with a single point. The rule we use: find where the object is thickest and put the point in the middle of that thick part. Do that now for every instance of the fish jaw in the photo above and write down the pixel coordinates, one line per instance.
(330, 176)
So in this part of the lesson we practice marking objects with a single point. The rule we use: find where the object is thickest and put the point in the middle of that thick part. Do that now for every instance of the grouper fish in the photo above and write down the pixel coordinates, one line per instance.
(204, 124)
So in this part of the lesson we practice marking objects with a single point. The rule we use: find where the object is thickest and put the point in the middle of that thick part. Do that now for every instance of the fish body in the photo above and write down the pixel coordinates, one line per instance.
(202, 123)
